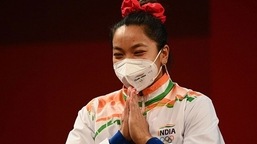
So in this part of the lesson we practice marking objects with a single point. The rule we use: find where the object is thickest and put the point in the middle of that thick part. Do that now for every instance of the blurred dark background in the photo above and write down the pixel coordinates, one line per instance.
(55, 56)
(81, 20)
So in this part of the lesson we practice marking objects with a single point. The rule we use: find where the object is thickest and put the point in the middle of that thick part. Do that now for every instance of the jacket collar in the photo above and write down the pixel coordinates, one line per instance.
(162, 85)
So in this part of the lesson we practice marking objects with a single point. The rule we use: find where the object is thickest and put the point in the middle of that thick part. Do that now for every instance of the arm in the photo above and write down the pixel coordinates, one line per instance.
(201, 123)
(82, 132)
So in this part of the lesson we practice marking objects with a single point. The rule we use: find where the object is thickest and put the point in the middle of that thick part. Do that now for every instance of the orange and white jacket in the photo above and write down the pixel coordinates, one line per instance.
(175, 115)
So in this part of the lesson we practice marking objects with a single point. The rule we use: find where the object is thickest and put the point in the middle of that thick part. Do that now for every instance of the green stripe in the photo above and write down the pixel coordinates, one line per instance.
(109, 123)
(160, 96)
(157, 98)
(187, 97)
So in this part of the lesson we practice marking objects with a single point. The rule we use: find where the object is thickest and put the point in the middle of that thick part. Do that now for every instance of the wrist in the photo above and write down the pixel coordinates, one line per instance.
(147, 139)
(144, 140)
(118, 138)
(154, 140)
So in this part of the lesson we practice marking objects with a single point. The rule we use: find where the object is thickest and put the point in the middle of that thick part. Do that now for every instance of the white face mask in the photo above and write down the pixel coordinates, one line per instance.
(138, 73)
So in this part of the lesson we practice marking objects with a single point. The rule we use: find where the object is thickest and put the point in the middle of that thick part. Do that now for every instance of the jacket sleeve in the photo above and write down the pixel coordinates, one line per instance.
(201, 123)
(82, 132)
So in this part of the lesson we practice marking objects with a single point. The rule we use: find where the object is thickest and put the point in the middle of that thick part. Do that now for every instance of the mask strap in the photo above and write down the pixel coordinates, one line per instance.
(160, 67)
(165, 66)
(157, 55)
(166, 69)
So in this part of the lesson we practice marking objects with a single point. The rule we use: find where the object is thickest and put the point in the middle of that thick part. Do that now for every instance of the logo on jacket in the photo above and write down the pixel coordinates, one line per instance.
(166, 133)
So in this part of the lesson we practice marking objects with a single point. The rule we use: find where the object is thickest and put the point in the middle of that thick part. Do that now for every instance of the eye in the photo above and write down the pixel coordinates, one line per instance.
(139, 53)
(118, 55)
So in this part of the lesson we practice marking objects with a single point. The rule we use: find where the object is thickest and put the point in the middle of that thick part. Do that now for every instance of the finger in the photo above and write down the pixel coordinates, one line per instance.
(128, 91)
(133, 92)
(135, 110)
(125, 112)
(125, 120)
(133, 103)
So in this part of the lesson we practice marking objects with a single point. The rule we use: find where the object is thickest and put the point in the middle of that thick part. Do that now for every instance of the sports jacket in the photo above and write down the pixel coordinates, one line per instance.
(175, 115)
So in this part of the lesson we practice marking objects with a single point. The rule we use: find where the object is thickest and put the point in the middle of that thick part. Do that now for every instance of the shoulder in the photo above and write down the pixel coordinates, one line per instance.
(103, 100)
(197, 106)
(182, 93)
(190, 97)
(96, 105)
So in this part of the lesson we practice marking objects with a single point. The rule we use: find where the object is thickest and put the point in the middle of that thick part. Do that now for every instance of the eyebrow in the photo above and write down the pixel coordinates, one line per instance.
(133, 47)
(138, 45)
(117, 48)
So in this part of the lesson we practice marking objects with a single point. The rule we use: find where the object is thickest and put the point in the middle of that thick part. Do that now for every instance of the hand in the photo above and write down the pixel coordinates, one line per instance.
(124, 125)
(138, 126)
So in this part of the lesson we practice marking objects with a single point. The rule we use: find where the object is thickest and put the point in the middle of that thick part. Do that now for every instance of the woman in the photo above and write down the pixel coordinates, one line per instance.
(150, 108)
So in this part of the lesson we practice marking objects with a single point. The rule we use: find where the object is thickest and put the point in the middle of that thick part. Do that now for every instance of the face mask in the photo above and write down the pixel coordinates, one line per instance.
(138, 73)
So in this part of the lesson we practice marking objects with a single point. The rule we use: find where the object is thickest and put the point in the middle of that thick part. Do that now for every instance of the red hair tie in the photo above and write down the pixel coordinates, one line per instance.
(155, 9)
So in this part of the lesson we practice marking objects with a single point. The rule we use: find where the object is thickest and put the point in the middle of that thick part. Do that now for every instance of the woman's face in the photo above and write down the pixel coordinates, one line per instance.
(131, 42)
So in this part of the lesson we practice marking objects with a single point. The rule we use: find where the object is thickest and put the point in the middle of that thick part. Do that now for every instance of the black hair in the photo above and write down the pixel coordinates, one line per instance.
(152, 26)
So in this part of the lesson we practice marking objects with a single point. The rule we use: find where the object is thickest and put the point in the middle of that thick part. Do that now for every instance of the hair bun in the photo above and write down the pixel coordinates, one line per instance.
(155, 8)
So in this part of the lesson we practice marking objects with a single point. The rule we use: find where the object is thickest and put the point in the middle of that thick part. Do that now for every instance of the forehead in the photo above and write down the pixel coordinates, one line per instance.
(130, 35)
(131, 30)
